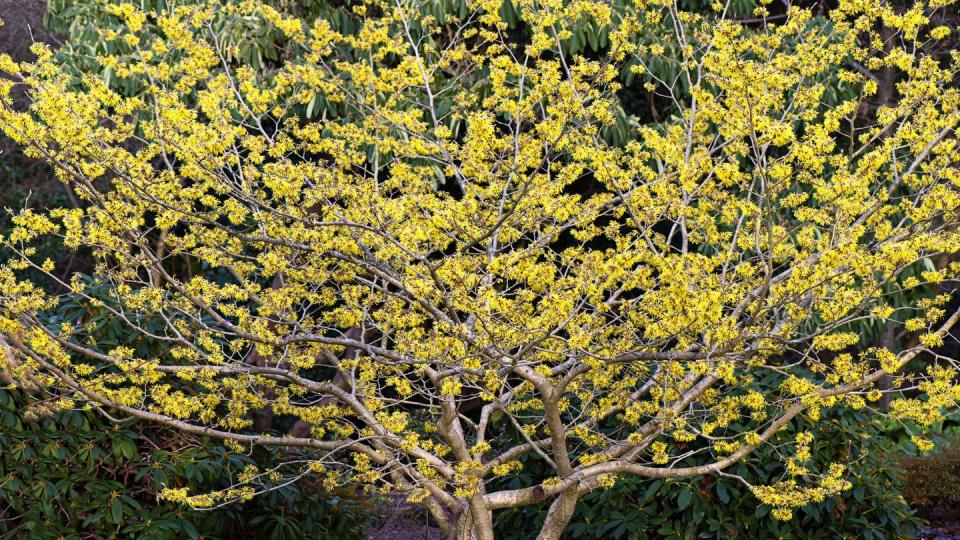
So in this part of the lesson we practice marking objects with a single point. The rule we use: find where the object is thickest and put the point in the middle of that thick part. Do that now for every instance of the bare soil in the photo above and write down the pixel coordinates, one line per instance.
(403, 521)
(23, 24)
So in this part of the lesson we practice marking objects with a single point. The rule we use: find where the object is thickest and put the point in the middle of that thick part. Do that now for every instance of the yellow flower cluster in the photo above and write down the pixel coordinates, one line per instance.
(459, 263)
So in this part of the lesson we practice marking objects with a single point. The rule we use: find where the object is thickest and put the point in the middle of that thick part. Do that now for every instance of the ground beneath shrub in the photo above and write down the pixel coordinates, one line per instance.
(21, 176)
(402, 521)
(942, 531)
(944, 522)
(23, 24)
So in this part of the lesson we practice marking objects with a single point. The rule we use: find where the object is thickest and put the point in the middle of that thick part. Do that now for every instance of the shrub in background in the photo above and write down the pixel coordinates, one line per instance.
(935, 478)
(704, 507)
(73, 474)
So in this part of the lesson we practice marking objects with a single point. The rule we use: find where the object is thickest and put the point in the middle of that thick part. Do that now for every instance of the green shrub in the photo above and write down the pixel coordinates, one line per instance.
(72, 474)
(712, 507)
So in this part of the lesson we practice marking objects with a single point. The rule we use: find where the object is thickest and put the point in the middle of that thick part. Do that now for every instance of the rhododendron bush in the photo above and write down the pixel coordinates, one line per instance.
(460, 268)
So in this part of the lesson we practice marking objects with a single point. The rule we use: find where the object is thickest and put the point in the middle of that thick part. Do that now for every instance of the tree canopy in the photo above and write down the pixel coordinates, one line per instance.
(458, 265)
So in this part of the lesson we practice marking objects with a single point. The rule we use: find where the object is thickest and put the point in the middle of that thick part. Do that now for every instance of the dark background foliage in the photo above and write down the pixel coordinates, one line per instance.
(73, 474)
(711, 507)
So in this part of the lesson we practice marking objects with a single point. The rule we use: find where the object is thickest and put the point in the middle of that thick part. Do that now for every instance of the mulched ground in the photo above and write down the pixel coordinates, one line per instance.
(944, 522)
(947, 532)
(403, 521)
(23, 24)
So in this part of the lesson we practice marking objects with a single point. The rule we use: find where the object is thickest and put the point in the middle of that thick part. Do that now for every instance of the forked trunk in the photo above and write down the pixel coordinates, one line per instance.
(476, 522)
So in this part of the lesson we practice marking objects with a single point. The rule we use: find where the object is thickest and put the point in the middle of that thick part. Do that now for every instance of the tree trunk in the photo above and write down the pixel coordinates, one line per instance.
(476, 522)
(559, 515)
